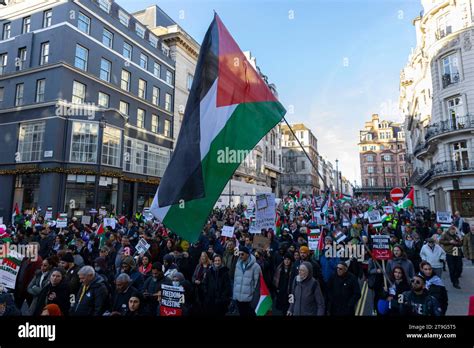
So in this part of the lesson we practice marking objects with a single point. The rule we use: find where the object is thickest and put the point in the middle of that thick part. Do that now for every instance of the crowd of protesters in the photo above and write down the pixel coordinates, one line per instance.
(81, 273)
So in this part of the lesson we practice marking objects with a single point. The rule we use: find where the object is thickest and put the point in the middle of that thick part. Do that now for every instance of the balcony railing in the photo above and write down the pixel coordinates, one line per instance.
(449, 79)
(448, 167)
(455, 124)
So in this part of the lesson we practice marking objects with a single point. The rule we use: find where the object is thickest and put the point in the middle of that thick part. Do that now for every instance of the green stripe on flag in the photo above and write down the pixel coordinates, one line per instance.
(264, 305)
(248, 124)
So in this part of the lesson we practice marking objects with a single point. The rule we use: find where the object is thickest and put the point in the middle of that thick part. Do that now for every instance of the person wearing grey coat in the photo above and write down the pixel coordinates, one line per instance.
(306, 297)
(246, 280)
(40, 280)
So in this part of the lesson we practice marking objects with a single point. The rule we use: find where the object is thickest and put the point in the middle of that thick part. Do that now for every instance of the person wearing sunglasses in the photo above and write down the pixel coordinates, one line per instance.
(343, 292)
(418, 301)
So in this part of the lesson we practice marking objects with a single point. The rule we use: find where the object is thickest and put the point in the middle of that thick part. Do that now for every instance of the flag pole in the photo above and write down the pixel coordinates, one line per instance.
(306, 154)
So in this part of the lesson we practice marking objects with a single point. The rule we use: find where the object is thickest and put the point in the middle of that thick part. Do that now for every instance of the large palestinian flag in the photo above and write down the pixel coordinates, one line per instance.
(229, 109)
(407, 201)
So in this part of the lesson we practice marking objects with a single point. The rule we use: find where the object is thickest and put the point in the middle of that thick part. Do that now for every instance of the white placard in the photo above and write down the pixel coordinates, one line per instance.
(85, 220)
(110, 222)
(228, 231)
(61, 221)
(265, 213)
(388, 209)
(313, 241)
(443, 217)
(142, 246)
(374, 216)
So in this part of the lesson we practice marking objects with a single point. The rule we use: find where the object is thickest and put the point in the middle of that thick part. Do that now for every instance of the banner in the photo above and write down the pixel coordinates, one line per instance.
(260, 242)
(264, 213)
(49, 214)
(110, 222)
(313, 240)
(444, 218)
(228, 231)
(388, 209)
(102, 211)
(61, 221)
(9, 268)
(171, 299)
(142, 246)
(85, 220)
(374, 218)
(381, 247)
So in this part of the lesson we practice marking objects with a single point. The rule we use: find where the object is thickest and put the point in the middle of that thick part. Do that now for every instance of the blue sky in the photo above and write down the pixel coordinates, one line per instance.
(334, 62)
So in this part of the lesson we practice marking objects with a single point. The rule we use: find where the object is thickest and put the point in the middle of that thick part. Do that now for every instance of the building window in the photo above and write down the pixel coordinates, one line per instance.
(124, 107)
(140, 30)
(167, 128)
(401, 157)
(456, 114)
(443, 26)
(450, 69)
(368, 136)
(3, 63)
(168, 102)
(387, 158)
(402, 169)
(127, 51)
(44, 57)
(387, 169)
(84, 142)
(21, 63)
(370, 170)
(78, 93)
(124, 18)
(382, 147)
(83, 23)
(156, 69)
(154, 123)
(189, 81)
(388, 182)
(169, 77)
(104, 99)
(153, 40)
(30, 141)
(369, 158)
(104, 5)
(107, 38)
(165, 50)
(157, 160)
(125, 80)
(364, 148)
(142, 89)
(373, 148)
(40, 85)
(140, 118)
(2, 94)
(19, 94)
(105, 68)
(7, 27)
(82, 56)
(460, 155)
(401, 135)
(26, 25)
(463, 201)
(303, 165)
(47, 16)
(111, 146)
(144, 61)
(372, 182)
(156, 96)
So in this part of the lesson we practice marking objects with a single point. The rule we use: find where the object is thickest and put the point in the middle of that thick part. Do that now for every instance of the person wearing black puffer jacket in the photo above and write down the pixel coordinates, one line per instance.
(343, 292)
(217, 288)
(91, 299)
(56, 292)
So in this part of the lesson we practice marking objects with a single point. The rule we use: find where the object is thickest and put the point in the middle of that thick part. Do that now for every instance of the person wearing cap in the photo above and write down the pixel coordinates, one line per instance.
(72, 278)
(281, 283)
(246, 280)
(343, 292)
(418, 301)
(434, 254)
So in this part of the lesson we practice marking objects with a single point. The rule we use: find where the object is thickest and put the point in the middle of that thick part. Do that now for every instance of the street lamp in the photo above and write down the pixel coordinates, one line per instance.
(102, 125)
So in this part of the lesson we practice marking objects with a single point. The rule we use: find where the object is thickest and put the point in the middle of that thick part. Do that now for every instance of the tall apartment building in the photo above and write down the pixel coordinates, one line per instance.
(86, 106)
(298, 173)
(382, 154)
(436, 96)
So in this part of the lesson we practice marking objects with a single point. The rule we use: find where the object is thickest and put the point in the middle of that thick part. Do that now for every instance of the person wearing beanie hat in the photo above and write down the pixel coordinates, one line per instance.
(307, 296)
(282, 283)
(71, 269)
(244, 249)
(246, 278)
(52, 310)
(129, 267)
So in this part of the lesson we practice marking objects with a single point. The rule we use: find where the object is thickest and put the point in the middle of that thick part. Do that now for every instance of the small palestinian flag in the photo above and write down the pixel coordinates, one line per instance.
(229, 109)
(16, 212)
(265, 303)
(407, 201)
(278, 223)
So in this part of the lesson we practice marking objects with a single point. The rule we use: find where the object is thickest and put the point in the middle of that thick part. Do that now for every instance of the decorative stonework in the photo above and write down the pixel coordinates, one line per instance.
(467, 45)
